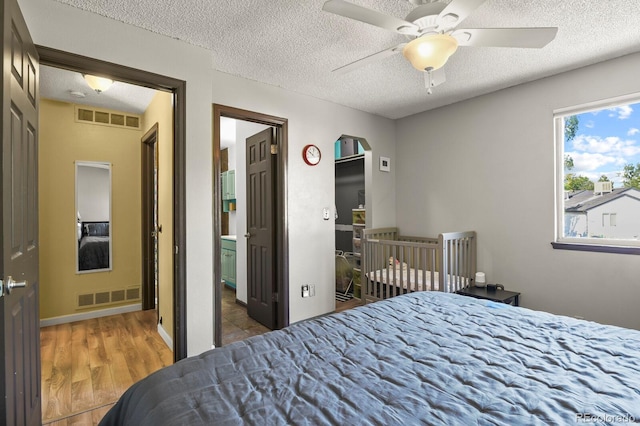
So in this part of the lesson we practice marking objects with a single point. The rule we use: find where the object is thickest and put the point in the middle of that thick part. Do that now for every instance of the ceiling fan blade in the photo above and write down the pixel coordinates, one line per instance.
(369, 16)
(369, 59)
(506, 37)
(456, 12)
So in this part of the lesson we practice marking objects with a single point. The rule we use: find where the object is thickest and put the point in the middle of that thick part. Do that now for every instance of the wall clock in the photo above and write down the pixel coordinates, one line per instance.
(311, 154)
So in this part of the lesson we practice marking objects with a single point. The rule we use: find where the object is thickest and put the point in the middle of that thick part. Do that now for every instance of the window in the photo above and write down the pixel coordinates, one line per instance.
(608, 219)
(598, 176)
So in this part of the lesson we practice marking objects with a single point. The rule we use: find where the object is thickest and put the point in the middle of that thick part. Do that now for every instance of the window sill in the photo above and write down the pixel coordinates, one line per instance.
(596, 248)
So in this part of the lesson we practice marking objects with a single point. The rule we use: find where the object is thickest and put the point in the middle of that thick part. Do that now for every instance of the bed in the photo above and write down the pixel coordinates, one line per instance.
(393, 264)
(422, 357)
(93, 247)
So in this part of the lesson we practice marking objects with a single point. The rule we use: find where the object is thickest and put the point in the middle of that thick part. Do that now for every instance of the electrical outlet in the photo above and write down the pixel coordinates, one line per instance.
(312, 290)
(305, 290)
(326, 213)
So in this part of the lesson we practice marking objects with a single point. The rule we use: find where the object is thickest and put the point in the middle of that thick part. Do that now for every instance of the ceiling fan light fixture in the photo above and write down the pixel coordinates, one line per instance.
(430, 52)
(99, 84)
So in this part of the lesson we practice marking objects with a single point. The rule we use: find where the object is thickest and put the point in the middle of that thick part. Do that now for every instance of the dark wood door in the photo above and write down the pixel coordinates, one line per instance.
(149, 218)
(20, 331)
(261, 260)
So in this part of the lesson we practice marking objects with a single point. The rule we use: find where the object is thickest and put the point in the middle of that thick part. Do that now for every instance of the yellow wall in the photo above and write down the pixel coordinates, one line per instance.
(161, 111)
(62, 142)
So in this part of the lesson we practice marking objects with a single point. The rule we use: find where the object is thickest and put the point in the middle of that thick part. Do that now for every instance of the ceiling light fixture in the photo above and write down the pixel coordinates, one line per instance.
(430, 51)
(99, 84)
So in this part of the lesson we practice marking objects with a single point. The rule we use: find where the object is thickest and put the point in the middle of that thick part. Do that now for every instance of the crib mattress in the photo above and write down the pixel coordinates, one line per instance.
(413, 279)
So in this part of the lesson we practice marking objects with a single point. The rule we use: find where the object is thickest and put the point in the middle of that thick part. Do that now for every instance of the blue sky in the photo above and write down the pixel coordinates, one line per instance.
(606, 140)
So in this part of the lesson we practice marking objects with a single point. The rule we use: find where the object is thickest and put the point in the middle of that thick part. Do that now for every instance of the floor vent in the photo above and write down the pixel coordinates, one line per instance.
(102, 298)
(107, 118)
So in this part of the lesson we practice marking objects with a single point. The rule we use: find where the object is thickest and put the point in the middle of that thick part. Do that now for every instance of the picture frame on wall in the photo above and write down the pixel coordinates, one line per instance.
(385, 164)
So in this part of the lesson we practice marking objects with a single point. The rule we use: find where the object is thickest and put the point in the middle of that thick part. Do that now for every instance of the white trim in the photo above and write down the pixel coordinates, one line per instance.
(90, 315)
(559, 116)
(165, 336)
(631, 98)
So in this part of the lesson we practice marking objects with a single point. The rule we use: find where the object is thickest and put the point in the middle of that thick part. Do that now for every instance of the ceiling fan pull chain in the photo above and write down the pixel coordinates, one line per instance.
(428, 80)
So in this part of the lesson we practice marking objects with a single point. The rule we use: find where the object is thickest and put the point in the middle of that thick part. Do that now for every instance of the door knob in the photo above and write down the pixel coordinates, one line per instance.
(247, 235)
(10, 284)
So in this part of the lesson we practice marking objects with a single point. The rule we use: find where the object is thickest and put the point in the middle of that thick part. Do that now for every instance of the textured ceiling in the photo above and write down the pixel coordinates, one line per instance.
(58, 84)
(295, 45)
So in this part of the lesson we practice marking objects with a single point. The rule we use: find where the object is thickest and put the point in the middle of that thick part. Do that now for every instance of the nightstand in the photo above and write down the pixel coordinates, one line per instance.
(502, 296)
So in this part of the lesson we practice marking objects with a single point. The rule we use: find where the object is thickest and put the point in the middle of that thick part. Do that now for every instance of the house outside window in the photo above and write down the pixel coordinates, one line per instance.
(598, 175)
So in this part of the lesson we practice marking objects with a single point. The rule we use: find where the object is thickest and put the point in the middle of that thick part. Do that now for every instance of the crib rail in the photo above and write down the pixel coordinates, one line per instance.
(393, 264)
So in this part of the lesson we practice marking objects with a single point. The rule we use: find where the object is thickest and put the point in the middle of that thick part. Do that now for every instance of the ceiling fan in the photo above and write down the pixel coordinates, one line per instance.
(433, 35)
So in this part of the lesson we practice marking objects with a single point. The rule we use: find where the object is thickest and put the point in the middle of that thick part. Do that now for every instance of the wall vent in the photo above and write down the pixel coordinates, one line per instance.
(101, 298)
(133, 293)
(107, 118)
(102, 117)
(85, 300)
(117, 296)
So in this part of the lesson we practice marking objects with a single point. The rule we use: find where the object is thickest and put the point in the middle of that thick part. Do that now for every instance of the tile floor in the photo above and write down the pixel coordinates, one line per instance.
(236, 324)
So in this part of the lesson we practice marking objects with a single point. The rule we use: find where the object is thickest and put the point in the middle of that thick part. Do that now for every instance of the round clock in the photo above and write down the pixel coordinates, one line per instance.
(311, 154)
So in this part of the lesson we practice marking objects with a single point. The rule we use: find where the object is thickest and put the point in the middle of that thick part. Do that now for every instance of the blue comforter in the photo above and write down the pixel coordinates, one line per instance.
(421, 358)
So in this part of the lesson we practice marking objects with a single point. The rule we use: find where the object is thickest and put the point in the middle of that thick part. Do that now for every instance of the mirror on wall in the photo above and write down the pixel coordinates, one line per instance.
(93, 217)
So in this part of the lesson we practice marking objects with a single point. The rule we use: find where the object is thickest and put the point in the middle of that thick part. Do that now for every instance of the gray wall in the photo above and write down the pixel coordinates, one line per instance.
(487, 164)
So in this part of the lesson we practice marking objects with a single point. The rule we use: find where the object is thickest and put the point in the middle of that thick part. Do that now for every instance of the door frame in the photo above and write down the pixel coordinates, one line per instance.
(83, 64)
(149, 147)
(282, 224)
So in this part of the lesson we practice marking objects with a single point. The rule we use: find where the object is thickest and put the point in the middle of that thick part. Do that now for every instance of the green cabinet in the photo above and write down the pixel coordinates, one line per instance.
(228, 262)
(228, 189)
(229, 185)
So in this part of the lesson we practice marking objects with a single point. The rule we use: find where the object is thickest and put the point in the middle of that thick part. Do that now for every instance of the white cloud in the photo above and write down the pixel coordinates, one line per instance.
(611, 145)
(590, 124)
(633, 131)
(588, 162)
(623, 112)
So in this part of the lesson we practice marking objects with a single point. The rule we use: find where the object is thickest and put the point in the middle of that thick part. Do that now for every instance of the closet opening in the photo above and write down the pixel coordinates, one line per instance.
(351, 167)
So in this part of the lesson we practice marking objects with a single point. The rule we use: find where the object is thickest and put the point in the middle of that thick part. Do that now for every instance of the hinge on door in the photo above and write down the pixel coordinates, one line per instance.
(275, 297)
(1, 288)
(274, 149)
(176, 249)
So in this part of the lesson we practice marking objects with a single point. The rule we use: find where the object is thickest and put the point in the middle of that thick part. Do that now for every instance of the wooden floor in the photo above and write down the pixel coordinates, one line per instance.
(349, 304)
(87, 365)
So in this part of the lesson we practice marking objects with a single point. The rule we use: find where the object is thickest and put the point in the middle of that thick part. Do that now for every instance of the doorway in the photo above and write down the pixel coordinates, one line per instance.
(279, 263)
(81, 64)
(352, 160)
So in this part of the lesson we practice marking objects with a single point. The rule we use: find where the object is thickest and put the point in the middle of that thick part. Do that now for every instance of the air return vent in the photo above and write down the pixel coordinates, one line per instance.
(101, 298)
(107, 118)
(133, 293)
(85, 300)
(117, 295)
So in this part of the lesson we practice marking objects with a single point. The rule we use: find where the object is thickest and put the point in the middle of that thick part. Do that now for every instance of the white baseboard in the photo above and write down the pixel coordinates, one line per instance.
(90, 315)
(165, 336)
